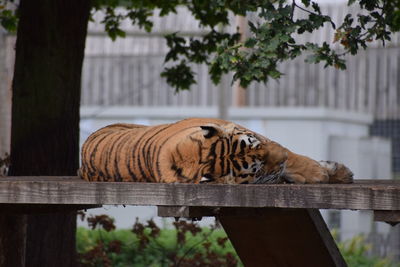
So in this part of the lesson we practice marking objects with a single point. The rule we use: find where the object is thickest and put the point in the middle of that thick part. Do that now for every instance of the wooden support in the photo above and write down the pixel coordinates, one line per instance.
(282, 237)
(187, 212)
(390, 216)
(272, 236)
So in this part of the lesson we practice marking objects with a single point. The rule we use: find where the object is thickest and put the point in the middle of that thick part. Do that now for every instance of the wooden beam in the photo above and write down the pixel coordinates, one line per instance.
(390, 216)
(362, 195)
(42, 208)
(272, 236)
(188, 212)
(282, 237)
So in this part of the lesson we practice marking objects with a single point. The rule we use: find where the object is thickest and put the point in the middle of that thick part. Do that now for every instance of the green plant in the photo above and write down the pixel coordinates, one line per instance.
(355, 252)
(148, 245)
(186, 244)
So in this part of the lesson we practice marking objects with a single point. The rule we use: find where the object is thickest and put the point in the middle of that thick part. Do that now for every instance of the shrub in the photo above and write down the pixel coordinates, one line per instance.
(355, 251)
(185, 245)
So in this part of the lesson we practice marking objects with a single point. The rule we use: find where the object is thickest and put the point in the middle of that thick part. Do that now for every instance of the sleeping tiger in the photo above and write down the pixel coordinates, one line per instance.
(198, 151)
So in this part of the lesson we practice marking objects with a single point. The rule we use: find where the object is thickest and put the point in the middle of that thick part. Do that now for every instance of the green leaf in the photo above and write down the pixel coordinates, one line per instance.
(250, 42)
(180, 76)
(350, 2)
(275, 74)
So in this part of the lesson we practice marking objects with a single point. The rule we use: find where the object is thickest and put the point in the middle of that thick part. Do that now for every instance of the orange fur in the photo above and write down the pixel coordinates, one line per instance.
(197, 150)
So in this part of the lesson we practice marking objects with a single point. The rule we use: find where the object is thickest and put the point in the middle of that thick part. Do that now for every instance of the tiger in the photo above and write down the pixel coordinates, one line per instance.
(198, 150)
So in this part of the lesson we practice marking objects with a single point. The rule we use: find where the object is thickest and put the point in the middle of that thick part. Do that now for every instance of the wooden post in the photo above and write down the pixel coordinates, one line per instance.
(282, 237)
(271, 236)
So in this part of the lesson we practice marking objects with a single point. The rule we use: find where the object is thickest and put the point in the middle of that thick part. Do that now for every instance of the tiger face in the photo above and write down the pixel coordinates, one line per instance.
(225, 154)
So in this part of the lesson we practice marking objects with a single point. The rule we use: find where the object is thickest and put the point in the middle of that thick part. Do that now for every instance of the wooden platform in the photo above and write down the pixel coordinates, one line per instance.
(269, 225)
(362, 195)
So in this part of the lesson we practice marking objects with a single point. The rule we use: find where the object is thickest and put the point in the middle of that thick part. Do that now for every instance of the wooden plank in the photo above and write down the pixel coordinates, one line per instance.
(189, 212)
(282, 237)
(42, 208)
(368, 195)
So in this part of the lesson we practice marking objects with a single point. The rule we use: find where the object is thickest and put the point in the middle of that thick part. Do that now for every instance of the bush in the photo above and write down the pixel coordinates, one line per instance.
(186, 245)
(147, 245)
(355, 253)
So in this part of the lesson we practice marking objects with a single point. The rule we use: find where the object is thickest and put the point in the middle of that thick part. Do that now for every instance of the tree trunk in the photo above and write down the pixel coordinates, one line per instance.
(12, 240)
(45, 117)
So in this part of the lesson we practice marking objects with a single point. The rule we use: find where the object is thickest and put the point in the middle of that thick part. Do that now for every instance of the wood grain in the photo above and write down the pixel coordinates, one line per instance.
(282, 237)
(362, 195)
(390, 216)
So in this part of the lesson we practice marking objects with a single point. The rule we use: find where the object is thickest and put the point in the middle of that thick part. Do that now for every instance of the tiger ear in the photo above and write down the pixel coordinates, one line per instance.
(209, 131)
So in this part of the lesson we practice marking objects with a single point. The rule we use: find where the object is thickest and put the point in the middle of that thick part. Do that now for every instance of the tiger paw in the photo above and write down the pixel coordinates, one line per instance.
(338, 173)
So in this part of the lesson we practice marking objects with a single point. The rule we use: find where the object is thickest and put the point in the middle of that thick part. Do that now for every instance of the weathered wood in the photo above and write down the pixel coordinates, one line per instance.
(42, 208)
(188, 212)
(363, 195)
(389, 216)
(282, 237)
(271, 236)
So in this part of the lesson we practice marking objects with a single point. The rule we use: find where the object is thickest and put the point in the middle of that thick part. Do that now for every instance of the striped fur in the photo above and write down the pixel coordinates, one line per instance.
(193, 151)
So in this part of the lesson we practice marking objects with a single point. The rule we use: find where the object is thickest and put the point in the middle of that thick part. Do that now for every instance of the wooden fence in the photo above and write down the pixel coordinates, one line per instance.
(126, 72)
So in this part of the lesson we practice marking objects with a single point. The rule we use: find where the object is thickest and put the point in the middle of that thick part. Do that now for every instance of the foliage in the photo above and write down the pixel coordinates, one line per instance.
(272, 39)
(355, 251)
(185, 245)
(147, 245)
(8, 18)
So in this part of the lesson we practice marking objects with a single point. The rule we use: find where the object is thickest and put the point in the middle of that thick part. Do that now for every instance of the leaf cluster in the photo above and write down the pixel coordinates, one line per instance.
(8, 15)
(355, 251)
(272, 39)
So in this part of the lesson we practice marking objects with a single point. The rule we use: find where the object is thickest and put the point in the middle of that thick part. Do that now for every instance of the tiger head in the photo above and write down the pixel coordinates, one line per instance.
(224, 153)
(234, 155)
